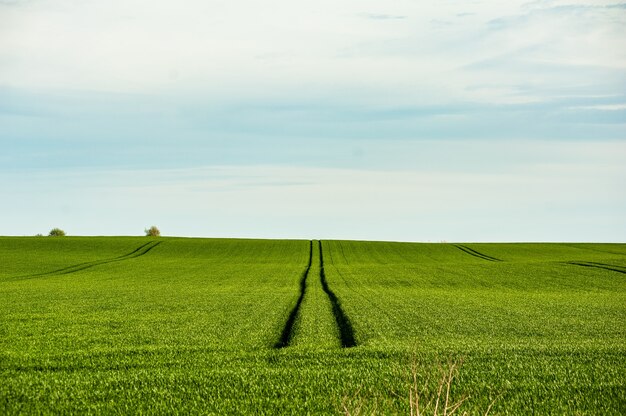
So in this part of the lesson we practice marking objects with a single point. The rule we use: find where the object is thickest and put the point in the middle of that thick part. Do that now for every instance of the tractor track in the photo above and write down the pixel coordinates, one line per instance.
(610, 267)
(343, 253)
(287, 333)
(475, 253)
(138, 252)
(346, 332)
(592, 249)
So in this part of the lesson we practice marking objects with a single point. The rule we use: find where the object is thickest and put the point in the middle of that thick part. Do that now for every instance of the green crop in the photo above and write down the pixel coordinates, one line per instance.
(225, 326)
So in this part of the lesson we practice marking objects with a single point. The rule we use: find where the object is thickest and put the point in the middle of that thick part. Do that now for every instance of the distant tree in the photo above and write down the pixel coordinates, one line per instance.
(153, 232)
(56, 232)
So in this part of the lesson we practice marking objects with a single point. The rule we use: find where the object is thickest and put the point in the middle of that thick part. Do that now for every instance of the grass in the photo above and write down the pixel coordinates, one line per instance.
(95, 325)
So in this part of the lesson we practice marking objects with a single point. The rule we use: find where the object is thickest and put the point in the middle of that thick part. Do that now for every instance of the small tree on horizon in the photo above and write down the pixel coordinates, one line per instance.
(153, 232)
(56, 232)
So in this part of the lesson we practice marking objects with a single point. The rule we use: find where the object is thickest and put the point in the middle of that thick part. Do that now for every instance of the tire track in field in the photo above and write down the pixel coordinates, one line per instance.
(346, 332)
(138, 252)
(352, 289)
(343, 253)
(611, 267)
(287, 333)
(475, 253)
(365, 297)
(592, 249)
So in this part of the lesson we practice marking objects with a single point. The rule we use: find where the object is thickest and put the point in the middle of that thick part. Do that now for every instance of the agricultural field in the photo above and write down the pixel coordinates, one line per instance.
(225, 326)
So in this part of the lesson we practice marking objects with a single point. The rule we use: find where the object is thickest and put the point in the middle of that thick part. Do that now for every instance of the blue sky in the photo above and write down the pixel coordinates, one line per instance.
(403, 120)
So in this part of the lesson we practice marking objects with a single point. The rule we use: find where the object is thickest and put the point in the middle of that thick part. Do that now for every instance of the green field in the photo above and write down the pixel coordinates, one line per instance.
(223, 326)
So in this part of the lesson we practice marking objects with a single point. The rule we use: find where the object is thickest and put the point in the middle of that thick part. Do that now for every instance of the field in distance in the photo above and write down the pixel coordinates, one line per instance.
(226, 326)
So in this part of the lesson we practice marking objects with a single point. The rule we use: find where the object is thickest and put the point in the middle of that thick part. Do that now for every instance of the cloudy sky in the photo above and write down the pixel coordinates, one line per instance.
(399, 120)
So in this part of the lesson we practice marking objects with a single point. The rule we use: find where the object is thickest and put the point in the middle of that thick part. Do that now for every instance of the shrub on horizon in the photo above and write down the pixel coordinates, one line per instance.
(56, 232)
(153, 232)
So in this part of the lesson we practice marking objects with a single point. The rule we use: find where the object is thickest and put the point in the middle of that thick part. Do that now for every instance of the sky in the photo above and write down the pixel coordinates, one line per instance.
(398, 120)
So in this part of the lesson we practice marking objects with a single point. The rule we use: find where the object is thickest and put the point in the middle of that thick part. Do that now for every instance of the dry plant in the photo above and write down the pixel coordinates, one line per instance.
(357, 405)
(425, 398)
(352, 405)
(422, 400)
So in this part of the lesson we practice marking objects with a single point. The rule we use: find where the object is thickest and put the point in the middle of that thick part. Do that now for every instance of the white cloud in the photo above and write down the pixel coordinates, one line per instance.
(606, 107)
(277, 48)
